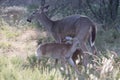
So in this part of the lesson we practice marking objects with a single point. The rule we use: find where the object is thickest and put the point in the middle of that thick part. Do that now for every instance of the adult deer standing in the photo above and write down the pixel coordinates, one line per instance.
(77, 26)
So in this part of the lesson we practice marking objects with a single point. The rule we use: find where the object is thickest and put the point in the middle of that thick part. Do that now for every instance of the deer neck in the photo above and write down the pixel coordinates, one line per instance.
(45, 21)
(72, 49)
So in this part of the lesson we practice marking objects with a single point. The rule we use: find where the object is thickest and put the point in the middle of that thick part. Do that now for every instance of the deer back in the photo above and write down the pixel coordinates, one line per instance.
(54, 50)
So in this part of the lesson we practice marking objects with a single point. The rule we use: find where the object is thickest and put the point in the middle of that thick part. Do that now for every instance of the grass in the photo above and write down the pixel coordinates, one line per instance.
(19, 41)
(109, 39)
(16, 68)
(9, 32)
(13, 69)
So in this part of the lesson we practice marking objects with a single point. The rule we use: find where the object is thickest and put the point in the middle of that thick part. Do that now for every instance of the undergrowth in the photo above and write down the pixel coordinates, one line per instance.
(106, 67)
(17, 41)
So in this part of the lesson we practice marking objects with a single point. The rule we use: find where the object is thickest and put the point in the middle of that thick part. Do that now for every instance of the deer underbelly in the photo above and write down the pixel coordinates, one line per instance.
(70, 35)
(56, 56)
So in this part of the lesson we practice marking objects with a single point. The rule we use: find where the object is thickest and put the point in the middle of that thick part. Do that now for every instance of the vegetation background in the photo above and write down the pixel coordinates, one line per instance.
(19, 39)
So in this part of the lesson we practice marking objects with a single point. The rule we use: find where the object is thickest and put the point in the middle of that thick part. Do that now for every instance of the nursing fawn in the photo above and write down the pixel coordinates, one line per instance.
(60, 51)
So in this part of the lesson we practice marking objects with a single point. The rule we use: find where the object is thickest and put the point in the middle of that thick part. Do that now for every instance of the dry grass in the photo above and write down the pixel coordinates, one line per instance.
(15, 41)
(17, 60)
(16, 68)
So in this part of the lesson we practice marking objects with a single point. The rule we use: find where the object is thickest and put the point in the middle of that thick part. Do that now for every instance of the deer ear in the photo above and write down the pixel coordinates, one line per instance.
(46, 8)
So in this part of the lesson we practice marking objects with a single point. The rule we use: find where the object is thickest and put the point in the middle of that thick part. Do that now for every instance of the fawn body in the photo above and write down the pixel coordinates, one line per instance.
(58, 51)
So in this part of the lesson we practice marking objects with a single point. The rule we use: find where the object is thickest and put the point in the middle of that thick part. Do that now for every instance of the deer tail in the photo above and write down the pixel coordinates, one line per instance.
(93, 35)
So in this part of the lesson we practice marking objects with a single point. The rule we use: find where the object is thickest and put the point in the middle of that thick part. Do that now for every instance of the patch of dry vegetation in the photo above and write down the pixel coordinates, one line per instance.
(15, 41)
(18, 62)
(106, 67)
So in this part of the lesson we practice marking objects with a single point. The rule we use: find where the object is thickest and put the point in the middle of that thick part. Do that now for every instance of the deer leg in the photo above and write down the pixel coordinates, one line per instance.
(39, 56)
(71, 62)
(56, 62)
(66, 71)
(63, 64)
(80, 56)
(77, 55)
(83, 36)
(92, 45)
(84, 50)
(85, 55)
(39, 62)
(94, 50)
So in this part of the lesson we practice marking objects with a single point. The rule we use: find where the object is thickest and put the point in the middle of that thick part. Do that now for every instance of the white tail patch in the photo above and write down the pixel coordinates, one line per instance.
(92, 44)
(68, 38)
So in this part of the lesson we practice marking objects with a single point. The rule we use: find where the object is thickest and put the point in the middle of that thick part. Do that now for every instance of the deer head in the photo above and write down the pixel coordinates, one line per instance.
(38, 13)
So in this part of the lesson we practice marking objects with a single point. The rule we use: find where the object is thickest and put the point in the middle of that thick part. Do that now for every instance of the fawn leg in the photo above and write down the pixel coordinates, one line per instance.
(71, 62)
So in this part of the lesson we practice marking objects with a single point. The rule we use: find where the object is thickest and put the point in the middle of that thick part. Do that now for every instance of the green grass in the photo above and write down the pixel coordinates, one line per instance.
(109, 39)
(16, 68)
(13, 69)
(5, 45)
(106, 67)
(9, 32)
